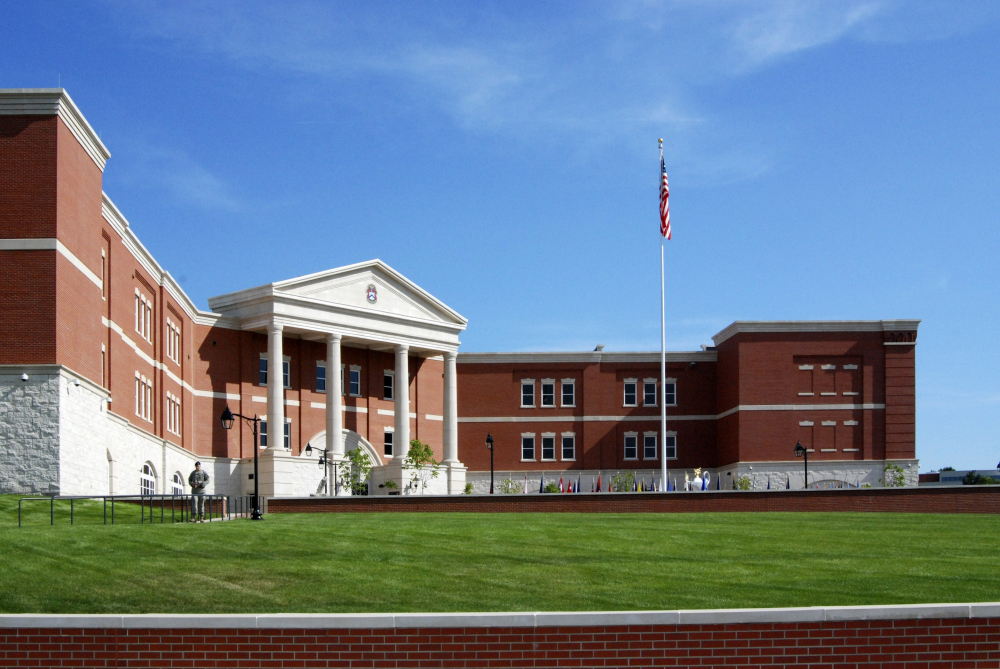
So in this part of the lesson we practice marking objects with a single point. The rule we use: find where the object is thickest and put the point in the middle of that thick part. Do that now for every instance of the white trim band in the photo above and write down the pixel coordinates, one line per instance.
(671, 418)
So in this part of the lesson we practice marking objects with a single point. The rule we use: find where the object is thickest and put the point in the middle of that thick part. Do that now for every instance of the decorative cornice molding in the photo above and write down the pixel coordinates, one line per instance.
(587, 357)
(738, 327)
(55, 102)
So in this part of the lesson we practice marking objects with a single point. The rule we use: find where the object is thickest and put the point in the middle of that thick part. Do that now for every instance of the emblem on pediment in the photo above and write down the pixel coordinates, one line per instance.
(372, 294)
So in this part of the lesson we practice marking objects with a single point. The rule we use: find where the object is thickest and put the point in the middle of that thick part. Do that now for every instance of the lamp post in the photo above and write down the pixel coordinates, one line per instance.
(323, 462)
(228, 418)
(489, 445)
(802, 452)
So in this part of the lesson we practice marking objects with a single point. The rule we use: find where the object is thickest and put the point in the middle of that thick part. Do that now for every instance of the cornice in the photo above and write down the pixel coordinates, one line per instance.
(739, 327)
(55, 102)
(586, 357)
(159, 275)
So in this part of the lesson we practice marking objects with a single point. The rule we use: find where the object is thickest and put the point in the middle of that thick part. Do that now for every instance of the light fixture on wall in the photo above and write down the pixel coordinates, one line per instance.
(24, 377)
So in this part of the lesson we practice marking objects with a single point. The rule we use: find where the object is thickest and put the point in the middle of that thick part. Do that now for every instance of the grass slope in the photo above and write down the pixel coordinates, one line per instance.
(492, 562)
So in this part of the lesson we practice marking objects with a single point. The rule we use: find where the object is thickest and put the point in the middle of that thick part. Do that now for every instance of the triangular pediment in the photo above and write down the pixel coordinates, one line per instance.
(372, 286)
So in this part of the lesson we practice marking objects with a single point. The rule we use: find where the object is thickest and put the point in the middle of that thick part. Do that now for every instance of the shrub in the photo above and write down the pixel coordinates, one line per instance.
(511, 487)
(895, 477)
(744, 483)
(551, 486)
(356, 470)
(622, 482)
(468, 488)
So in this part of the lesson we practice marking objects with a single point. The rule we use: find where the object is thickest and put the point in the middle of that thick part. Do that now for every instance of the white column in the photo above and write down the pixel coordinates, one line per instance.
(450, 409)
(334, 403)
(275, 389)
(401, 434)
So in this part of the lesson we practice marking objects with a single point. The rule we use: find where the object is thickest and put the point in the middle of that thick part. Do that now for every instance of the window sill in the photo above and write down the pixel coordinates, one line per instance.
(527, 406)
(531, 460)
(851, 394)
(568, 406)
(568, 460)
(631, 406)
(828, 394)
(806, 394)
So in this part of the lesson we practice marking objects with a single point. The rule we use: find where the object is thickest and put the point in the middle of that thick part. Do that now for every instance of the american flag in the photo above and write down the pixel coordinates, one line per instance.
(664, 202)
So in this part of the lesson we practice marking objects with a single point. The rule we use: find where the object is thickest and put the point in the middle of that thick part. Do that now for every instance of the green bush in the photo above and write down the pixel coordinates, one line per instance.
(895, 477)
(511, 487)
(744, 483)
(468, 488)
(622, 482)
(551, 486)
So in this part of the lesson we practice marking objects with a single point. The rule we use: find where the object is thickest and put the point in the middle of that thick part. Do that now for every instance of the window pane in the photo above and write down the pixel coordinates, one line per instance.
(630, 448)
(527, 394)
(649, 394)
(320, 379)
(548, 394)
(387, 441)
(285, 375)
(263, 371)
(568, 394)
(527, 448)
(649, 447)
(355, 382)
(263, 433)
(387, 386)
(671, 447)
(568, 448)
(630, 394)
(548, 448)
(670, 394)
(288, 435)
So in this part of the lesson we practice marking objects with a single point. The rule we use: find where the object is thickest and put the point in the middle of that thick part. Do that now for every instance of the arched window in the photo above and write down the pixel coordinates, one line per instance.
(177, 484)
(147, 480)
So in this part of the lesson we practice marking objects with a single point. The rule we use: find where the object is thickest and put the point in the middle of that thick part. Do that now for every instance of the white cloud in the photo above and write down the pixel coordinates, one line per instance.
(185, 180)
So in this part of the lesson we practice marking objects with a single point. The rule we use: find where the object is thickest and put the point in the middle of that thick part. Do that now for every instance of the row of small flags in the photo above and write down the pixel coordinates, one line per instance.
(638, 485)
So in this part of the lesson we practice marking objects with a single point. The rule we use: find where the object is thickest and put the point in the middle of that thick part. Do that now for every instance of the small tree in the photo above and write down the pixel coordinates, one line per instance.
(895, 477)
(744, 483)
(420, 461)
(551, 486)
(975, 478)
(509, 487)
(622, 482)
(356, 470)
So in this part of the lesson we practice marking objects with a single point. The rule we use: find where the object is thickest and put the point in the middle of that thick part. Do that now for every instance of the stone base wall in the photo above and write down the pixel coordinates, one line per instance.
(29, 431)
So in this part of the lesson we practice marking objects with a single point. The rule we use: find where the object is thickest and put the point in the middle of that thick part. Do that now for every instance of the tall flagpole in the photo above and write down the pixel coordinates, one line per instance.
(663, 361)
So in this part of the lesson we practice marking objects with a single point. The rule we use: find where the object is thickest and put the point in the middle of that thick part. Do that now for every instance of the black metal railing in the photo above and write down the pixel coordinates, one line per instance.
(181, 508)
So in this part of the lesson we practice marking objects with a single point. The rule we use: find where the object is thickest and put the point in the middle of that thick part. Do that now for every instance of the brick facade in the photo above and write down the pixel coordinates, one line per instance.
(918, 638)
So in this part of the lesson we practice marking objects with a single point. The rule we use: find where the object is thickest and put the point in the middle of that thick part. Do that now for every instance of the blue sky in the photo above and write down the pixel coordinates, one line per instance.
(827, 160)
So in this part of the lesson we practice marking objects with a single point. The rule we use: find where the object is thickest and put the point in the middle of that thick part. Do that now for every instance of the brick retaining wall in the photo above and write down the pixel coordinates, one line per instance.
(922, 636)
(939, 499)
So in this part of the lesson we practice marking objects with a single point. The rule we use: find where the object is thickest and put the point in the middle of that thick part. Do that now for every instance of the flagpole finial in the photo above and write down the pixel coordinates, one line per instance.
(661, 142)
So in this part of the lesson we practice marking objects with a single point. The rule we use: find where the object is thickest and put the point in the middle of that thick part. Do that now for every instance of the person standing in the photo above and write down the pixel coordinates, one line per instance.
(198, 480)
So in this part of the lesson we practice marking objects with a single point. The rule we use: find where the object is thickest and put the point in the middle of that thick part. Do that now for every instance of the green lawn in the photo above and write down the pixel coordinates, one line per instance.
(492, 562)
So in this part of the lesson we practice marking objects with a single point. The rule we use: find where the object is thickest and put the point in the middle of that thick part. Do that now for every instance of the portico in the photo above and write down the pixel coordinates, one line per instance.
(363, 306)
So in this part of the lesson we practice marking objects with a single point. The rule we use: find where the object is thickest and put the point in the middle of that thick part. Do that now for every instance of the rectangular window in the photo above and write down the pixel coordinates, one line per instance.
(649, 392)
(568, 392)
(548, 393)
(356, 381)
(670, 393)
(138, 391)
(387, 441)
(343, 388)
(320, 377)
(262, 380)
(173, 341)
(630, 446)
(527, 393)
(548, 447)
(649, 447)
(387, 385)
(286, 376)
(630, 392)
(671, 446)
(527, 447)
(263, 433)
(569, 447)
(288, 434)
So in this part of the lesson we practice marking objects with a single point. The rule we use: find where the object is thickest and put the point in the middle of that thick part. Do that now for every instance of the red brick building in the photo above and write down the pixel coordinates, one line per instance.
(113, 380)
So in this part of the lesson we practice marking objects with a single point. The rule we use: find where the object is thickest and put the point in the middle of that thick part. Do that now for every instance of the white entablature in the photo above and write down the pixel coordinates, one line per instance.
(369, 304)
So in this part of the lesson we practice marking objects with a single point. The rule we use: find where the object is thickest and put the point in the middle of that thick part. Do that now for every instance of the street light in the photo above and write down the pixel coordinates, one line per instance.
(489, 445)
(323, 462)
(228, 418)
(802, 452)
